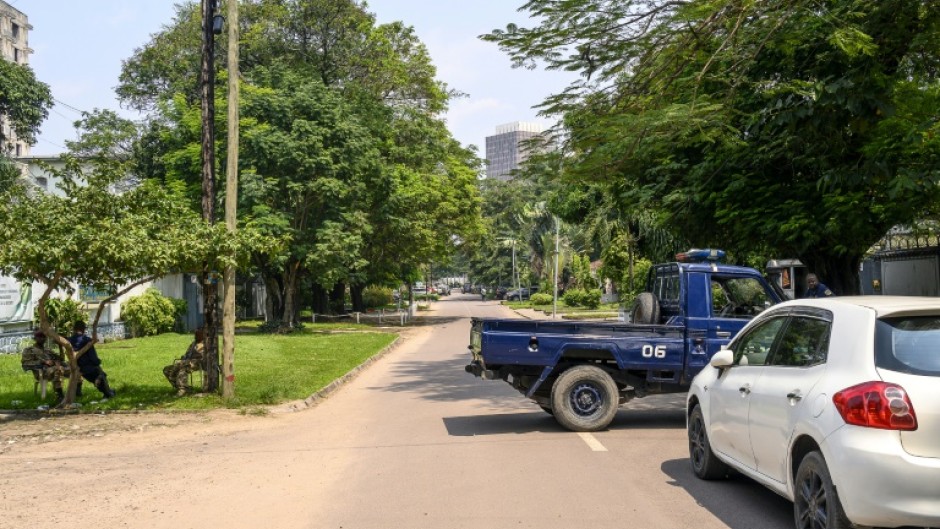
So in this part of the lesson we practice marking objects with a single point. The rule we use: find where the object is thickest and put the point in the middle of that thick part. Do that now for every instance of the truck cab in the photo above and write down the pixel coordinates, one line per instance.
(712, 302)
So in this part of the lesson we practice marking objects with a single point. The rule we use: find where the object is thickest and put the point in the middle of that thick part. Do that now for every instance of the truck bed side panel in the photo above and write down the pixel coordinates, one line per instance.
(654, 347)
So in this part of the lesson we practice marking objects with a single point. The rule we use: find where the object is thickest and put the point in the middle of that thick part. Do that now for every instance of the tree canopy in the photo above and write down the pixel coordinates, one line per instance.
(345, 155)
(804, 128)
(24, 102)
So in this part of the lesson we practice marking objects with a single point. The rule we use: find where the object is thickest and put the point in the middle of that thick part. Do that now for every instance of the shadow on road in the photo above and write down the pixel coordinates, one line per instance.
(647, 419)
(446, 381)
(425, 320)
(533, 422)
(737, 501)
(502, 423)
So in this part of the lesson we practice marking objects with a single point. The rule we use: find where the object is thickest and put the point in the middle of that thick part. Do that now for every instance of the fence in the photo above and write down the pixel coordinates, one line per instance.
(14, 342)
(381, 316)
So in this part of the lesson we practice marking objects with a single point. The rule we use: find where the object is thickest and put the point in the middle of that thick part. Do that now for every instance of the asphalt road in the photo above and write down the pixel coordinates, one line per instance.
(413, 442)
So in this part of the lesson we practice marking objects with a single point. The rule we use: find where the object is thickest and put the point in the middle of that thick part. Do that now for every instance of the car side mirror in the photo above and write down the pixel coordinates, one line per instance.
(722, 359)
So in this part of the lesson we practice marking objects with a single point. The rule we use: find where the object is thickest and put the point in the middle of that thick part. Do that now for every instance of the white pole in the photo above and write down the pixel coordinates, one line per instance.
(555, 293)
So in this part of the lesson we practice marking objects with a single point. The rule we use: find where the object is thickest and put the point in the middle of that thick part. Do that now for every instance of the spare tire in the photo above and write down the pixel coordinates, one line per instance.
(645, 309)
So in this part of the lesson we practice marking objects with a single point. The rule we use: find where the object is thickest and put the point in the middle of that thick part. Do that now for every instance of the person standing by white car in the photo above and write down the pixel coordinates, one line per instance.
(833, 403)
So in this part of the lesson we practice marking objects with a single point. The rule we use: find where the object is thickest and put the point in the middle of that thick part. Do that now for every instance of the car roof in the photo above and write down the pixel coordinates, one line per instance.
(882, 305)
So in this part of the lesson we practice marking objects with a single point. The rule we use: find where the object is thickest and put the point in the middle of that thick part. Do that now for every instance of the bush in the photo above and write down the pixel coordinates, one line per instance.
(375, 296)
(63, 313)
(591, 298)
(576, 297)
(572, 297)
(279, 327)
(541, 299)
(149, 314)
(180, 308)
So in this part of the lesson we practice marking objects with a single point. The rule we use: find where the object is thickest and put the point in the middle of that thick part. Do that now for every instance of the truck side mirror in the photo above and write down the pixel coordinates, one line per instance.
(722, 359)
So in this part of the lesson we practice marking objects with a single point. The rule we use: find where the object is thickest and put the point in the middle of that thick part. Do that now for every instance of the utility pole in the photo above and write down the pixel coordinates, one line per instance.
(555, 294)
(209, 289)
(231, 202)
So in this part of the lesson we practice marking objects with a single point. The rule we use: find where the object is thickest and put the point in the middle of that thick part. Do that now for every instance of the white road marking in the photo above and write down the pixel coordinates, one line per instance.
(592, 442)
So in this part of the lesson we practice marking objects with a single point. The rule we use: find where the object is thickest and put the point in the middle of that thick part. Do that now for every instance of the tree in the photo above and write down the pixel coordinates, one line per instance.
(384, 186)
(309, 162)
(24, 102)
(807, 129)
(94, 237)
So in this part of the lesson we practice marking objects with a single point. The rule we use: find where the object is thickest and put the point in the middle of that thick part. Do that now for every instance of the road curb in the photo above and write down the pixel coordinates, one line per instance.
(332, 387)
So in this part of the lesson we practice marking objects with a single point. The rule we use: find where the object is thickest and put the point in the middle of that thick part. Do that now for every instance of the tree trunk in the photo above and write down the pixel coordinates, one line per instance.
(338, 298)
(290, 294)
(321, 299)
(355, 292)
(838, 272)
(274, 301)
(209, 288)
(210, 291)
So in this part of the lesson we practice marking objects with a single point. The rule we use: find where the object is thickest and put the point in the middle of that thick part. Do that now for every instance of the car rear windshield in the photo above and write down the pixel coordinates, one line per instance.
(909, 344)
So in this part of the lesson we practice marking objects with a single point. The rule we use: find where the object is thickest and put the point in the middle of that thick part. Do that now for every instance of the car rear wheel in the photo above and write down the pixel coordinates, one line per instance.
(705, 463)
(816, 504)
(585, 399)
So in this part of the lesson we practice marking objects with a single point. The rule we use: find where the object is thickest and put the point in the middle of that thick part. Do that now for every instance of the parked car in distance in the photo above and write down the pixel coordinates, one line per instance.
(521, 295)
(833, 403)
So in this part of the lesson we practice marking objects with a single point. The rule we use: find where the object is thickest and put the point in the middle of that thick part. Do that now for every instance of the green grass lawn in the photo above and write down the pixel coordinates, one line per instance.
(268, 369)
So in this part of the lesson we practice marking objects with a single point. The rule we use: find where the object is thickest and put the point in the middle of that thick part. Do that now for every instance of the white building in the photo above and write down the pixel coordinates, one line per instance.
(14, 47)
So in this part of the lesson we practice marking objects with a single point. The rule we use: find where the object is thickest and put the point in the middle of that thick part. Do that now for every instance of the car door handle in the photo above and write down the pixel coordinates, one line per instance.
(723, 334)
(745, 389)
(795, 395)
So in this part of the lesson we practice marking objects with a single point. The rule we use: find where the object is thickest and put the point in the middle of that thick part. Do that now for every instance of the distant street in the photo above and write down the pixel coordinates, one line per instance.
(413, 442)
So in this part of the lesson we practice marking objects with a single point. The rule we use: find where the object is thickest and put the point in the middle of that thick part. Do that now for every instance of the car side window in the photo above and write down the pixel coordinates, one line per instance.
(754, 348)
(805, 342)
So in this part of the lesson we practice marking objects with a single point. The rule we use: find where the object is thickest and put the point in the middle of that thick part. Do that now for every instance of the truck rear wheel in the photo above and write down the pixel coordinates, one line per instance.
(585, 399)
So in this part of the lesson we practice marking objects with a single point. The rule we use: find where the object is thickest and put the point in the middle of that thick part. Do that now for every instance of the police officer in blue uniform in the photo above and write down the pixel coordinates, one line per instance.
(89, 364)
(815, 289)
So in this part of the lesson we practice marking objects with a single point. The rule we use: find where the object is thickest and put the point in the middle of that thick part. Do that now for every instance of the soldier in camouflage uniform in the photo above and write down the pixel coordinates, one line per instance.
(45, 364)
(178, 372)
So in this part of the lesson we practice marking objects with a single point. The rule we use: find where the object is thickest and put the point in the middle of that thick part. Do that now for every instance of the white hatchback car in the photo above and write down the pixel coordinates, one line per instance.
(833, 403)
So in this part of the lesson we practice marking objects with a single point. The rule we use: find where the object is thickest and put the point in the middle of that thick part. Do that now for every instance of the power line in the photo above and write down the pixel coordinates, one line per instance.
(52, 143)
(70, 107)
(62, 115)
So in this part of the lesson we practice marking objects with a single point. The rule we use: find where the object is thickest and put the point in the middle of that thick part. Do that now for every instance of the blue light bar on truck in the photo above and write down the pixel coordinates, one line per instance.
(701, 256)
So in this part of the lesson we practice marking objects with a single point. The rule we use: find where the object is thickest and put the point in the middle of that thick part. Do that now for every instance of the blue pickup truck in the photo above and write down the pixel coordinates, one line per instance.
(581, 372)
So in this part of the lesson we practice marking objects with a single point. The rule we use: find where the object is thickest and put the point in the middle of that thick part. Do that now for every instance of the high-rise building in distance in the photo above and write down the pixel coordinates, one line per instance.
(14, 47)
(505, 151)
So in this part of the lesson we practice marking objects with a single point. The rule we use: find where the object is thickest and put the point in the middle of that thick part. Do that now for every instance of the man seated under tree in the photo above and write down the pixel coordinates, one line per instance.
(178, 372)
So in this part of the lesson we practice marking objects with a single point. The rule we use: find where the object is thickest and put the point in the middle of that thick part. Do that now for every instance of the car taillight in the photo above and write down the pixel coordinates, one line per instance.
(876, 405)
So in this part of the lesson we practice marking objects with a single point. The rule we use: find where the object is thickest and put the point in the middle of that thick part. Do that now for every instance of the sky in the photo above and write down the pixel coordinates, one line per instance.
(78, 48)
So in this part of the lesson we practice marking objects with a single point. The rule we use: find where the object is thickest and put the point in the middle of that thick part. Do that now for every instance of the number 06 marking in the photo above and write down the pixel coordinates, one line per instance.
(654, 352)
